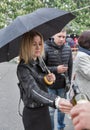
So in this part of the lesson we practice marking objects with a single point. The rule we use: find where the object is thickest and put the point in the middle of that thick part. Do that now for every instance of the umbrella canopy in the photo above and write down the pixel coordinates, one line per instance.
(47, 21)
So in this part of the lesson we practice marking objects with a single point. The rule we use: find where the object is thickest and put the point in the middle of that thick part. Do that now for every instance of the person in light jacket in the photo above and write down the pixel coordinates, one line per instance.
(81, 68)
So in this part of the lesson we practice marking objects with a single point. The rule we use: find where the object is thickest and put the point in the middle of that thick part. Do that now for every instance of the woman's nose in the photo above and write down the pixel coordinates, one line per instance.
(37, 46)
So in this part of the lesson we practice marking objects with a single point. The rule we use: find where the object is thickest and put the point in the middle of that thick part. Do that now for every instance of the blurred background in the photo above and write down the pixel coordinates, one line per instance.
(10, 9)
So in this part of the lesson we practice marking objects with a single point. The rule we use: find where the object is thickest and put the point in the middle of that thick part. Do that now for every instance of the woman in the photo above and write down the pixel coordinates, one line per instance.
(36, 99)
(82, 63)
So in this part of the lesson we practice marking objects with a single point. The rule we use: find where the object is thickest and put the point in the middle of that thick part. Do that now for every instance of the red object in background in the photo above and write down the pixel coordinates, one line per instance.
(75, 40)
(70, 42)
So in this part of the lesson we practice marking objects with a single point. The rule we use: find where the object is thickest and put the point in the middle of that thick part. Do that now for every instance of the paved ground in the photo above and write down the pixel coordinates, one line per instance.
(9, 97)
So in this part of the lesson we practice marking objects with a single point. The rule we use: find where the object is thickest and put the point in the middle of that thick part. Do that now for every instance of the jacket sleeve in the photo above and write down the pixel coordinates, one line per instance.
(84, 66)
(33, 90)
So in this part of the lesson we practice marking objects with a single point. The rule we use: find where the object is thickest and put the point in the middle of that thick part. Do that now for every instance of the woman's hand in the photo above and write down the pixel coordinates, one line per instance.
(49, 78)
(65, 105)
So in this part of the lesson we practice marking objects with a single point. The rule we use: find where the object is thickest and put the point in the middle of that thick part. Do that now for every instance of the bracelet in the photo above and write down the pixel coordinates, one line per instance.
(57, 102)
(47, 82)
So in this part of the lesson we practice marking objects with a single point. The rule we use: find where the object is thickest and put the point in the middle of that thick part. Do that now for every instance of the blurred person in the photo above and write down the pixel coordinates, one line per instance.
(58, 58)
(70, 42)
(31, 72)
(81, 68)
(81, 116)
(76, 42)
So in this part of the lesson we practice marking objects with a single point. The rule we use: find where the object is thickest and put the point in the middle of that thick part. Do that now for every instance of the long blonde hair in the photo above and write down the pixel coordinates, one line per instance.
(26, 46)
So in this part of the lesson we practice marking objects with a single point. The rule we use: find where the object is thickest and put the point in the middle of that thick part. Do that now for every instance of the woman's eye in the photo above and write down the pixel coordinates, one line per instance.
(34, 44)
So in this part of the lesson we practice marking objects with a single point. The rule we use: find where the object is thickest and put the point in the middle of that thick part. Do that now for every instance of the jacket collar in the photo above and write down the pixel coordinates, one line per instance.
(50, 42)
(84, 50)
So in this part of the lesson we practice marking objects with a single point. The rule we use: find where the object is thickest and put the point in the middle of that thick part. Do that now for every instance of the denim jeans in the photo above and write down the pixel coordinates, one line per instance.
(60, 115)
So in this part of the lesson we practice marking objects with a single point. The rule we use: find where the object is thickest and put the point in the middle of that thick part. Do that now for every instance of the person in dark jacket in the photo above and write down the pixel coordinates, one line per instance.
(34, 79)
(58, 58)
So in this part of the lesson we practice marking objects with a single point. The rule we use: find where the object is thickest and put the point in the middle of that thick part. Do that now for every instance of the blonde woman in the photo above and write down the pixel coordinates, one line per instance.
(35, 79)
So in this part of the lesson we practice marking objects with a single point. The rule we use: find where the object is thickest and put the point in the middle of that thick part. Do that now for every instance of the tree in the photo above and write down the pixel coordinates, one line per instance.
(10, 9)
(81, 8)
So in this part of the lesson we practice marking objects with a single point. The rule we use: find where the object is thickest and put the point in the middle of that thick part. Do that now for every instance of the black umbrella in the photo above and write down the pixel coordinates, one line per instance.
(47, 21)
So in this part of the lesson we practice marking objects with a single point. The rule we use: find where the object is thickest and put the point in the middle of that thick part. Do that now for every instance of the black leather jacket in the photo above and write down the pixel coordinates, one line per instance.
(35, 90)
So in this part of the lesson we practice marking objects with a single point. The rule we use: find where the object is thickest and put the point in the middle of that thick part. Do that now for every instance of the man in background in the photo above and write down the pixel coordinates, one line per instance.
(58, 58)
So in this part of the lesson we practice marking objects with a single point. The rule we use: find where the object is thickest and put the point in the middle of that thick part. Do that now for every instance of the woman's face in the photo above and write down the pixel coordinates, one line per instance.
(36, 47)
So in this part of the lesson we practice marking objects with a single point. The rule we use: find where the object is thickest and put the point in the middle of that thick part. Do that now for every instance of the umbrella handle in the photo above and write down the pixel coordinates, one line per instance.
(47, 82)
(48, 71)
(45, 66)
(45, 79)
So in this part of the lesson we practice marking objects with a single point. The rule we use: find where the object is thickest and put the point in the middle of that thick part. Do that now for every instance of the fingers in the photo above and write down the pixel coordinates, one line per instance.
(76, 110)
(78, 127)
(51, 77)
(65, 110)
(81, 116)
(61, 69)
(65, 102)
(77, 124)
(73, 113)
(65, 106)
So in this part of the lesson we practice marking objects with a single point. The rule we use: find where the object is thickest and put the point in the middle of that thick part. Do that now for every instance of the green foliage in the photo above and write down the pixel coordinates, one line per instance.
(77, 7)
(10, 9)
